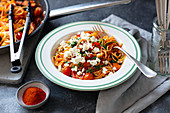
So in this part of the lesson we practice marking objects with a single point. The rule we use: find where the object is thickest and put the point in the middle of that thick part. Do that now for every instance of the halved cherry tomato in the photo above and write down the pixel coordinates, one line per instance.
(86, 65)
(78, 35)
(37, 11)
(19, 35)
(88, 76)
(89, 56)
(96, 44)
(90, 32)
(67, 71)
(37, 20)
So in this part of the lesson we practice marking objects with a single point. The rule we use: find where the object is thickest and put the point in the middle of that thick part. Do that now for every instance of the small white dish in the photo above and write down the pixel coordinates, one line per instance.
(47, 48)
(21, 90)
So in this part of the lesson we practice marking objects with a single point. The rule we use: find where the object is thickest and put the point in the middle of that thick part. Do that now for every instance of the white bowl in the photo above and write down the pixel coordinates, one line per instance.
(47, 47)
(21, 90)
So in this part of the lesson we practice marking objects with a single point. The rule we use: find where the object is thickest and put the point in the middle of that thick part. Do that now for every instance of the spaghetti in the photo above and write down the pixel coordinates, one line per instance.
(87, 57)
(20, 14)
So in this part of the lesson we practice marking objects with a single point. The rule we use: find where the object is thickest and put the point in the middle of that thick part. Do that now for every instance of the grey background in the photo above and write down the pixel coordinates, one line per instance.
(62, 100)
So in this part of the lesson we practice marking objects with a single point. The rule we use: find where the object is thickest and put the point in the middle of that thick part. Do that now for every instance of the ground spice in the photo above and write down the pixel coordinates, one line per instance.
(33, 95)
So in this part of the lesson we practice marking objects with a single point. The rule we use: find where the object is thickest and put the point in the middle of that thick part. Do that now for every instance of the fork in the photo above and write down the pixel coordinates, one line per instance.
(162, 63)
(144, 69)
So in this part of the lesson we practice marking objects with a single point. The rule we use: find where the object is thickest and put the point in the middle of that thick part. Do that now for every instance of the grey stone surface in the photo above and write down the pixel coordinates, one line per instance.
(62, 100)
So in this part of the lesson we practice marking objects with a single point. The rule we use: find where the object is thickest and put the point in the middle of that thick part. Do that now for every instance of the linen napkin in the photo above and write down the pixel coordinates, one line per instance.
(138, 92)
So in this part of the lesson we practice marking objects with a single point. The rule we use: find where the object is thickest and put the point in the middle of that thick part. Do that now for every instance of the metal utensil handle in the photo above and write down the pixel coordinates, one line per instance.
(84, 7)
(11, 33)
(144, 69)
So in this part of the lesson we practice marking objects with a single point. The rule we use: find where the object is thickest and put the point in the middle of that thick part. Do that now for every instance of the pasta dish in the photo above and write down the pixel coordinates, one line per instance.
(19, 18)
(85, 56)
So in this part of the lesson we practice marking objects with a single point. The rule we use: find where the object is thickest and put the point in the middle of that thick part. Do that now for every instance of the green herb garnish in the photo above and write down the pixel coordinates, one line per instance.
(73, 66)
(79, 64)
(98, 67)
(94, 57)
(112, 61)
(89, 70)
(105, 46)
(73, 44)
(21, 30)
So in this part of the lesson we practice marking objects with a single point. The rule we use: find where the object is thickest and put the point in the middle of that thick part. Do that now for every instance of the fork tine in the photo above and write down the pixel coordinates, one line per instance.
(164, 62)
(168, 62)
(95, 30)
(99, 32)
(156, 63)
(102, 29)
(160, 63)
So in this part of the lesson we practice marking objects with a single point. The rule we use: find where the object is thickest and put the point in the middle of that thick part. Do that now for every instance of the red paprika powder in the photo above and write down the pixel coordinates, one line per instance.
(33, 95)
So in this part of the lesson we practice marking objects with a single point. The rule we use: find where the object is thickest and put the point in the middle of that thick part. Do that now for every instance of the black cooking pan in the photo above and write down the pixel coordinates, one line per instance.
(62, 12)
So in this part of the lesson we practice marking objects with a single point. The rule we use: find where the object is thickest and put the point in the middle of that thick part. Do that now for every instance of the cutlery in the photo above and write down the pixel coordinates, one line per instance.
(144, 69)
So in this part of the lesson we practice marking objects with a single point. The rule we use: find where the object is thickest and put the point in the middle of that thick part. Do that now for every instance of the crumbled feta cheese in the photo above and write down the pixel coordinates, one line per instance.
(111, 73)
(80, 46)
(97, 59)
(67, 54)
(86, 46)
(66, 64)
(83, 70)
(104, 70)
(85, 35)
(78, 59)
(94, 62)
(93, 39)
(62, 43)
(72, 52)
(105, 62)
(74, 69)
(72, 40)
(96, 50)
(114, 68)
(79, 73)
(59, 68)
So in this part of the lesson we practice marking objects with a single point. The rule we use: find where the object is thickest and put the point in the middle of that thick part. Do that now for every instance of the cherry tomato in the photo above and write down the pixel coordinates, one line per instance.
(88, 76)
(89, 56)
(37, 11)
(96, 44)
(90, 32)
(33, 4)
(19, 35)
(86, 65)
(67, 71)
(78, 35)
(37, 20)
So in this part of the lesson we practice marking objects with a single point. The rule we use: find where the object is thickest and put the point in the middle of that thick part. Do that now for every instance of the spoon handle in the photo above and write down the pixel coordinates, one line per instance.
(144, 69)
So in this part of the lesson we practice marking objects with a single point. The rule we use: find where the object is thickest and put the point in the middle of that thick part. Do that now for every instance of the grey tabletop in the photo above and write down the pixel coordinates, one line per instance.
(62, 100)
